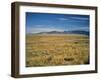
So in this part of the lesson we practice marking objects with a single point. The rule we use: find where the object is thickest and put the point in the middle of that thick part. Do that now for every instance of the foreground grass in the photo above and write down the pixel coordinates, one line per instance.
(53, 50)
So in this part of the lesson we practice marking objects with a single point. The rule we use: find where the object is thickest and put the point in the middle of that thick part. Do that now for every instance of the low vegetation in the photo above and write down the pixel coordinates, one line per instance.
(54, 50)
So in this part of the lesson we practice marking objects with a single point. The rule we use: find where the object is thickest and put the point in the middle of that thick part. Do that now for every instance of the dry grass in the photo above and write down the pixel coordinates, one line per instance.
(53, 50)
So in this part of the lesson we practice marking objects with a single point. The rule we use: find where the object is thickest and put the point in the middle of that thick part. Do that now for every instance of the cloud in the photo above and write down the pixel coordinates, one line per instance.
(74, 19)
(41, 29)
(62, 19)
(80, 18)
(39, 25)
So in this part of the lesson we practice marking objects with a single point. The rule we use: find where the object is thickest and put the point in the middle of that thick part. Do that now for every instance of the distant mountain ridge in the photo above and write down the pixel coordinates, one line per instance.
(66, 32)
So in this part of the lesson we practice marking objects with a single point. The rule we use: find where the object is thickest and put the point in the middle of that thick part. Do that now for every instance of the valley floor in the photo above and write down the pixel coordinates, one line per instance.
(54, 50)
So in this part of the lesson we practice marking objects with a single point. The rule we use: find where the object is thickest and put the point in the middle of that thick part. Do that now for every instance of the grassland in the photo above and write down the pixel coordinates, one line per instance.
(54, 50)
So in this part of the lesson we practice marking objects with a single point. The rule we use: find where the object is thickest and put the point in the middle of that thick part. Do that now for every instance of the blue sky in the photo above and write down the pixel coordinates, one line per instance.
(46, 22)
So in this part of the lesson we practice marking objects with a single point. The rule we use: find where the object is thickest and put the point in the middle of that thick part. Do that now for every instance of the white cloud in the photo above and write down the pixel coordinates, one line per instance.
(62, 19)
(39, 25)
(75, 19)
(80, 18)
(41, 29)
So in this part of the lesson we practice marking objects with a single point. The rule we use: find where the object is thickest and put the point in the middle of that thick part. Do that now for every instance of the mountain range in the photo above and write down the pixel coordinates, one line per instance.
(67, 32)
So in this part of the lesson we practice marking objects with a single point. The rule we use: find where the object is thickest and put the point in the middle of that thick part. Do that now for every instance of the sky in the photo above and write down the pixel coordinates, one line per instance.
(46, 22)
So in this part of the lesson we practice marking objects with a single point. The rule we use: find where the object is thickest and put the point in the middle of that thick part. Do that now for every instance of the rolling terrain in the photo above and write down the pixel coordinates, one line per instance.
(57, 48)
